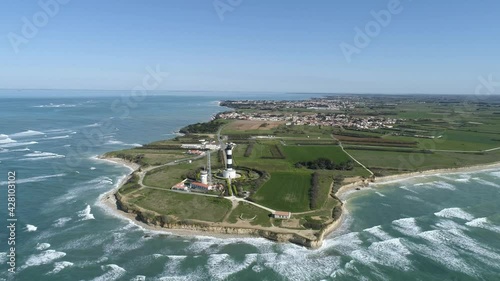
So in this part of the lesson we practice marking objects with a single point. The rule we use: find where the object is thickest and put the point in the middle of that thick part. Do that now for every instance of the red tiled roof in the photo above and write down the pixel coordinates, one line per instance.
(278, 213)
(200, 184)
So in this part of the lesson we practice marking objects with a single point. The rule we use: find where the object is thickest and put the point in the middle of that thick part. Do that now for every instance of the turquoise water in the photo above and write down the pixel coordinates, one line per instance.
(443, 227)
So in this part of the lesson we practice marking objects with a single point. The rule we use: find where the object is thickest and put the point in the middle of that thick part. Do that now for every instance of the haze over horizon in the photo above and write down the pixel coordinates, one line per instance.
(379, 46)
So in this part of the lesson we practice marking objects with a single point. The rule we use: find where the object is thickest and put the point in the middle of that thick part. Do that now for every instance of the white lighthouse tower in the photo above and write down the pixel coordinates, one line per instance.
(204, 177)
(229, 172)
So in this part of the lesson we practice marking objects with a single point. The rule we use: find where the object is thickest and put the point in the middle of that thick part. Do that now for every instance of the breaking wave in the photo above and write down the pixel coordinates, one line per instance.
(454, 213)
(86, 214)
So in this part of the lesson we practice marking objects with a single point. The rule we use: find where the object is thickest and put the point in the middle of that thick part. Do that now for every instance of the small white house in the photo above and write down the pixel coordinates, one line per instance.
(282, 215)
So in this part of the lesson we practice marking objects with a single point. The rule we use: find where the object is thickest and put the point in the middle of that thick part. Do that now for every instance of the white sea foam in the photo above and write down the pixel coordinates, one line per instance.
(45, 257)
(28, 133)
(484, 182)
(404, 187)
(377, 232)
(414, 198)
(449, 224)
(390, 253)
(57, 137)
(115, 142)
(20, 150)
(454, 213)
(31, 228)
(85, 214)
(407, 226)
(495, 174)
(113, 272)
(122, 243)
(437, 250)
(17, 144)
(35, 179)
(345, 243)
(43, 158)
(298, 263)
(92, 168)
(3, 257)
(379, 194)
(461, 178)
(221, 266)
(483, 223)
(5, 139)
(92, 125)
(51, 105)
(42, 246)
(38, 155)
(61, 222)
(458, 241)
(443, 185)
(139, 278)
(58, 266)
(87, 241)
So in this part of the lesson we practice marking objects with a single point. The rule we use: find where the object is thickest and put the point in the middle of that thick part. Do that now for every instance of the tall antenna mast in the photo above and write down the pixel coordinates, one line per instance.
(209, 168)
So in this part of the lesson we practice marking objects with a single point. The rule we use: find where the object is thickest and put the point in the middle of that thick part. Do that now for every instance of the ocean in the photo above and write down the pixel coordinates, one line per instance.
(441, 227)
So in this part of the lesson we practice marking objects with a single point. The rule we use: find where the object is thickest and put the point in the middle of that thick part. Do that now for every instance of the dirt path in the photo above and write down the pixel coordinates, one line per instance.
(355, 160)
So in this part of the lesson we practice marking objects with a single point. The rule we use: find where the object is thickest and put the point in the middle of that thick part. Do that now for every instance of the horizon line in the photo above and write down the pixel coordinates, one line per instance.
(241, 91)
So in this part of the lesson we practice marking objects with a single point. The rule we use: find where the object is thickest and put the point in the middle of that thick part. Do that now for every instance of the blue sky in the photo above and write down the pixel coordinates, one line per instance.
(260, 45)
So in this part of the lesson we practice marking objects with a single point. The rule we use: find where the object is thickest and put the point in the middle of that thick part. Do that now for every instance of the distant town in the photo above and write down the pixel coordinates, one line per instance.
(313, 112)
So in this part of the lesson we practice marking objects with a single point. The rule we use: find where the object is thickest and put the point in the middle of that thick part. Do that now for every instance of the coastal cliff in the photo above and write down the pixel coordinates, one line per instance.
(146, 217)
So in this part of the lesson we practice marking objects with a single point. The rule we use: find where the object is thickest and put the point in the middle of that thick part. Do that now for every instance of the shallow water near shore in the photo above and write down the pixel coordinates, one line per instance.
(442, 227)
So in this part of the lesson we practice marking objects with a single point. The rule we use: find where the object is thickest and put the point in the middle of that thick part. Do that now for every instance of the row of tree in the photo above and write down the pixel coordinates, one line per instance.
(314, 192)
(249, 149)
(326, 164)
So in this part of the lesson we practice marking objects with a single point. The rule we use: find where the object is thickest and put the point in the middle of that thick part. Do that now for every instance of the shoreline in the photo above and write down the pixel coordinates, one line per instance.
(345, 190)
(109, 201)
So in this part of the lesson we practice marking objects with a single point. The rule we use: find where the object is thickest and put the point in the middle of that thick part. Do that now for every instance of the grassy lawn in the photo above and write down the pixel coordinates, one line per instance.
(168, 176)
(151, 157)
(285, 191)
(249, 211)
(183, 206)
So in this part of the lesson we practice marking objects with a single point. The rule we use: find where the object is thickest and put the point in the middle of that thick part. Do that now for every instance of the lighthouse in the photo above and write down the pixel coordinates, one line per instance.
(229, 172)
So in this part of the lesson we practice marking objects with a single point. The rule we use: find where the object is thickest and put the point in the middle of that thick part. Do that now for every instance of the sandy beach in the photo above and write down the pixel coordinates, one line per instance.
(345, 190)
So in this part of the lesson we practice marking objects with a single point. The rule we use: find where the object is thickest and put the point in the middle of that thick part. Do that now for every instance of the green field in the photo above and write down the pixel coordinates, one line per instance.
(285, 192)
(308, 153)
(166, 177)
(421, 161)
(182, 205)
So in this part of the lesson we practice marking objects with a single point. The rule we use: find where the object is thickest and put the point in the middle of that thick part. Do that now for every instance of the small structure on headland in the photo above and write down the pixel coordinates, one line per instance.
(282, 215)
